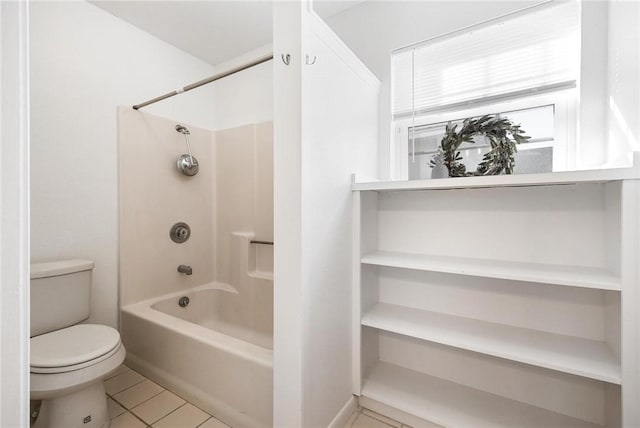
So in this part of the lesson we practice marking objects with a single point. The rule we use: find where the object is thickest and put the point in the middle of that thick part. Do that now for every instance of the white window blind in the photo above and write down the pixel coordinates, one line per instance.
(533, 51)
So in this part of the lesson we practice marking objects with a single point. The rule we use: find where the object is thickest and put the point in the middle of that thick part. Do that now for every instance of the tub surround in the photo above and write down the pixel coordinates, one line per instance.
(217, 350)
(154, 195)
(232, 193)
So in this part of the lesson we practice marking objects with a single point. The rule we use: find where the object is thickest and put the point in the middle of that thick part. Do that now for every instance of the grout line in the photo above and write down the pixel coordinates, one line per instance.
(132, 414)
(357, 414)
(111, 376)
(378, 417)
(129, 387)
(173, 411)
(127, 410)
(374, 415)
(202, 410)
(205, 421)
(153, 396)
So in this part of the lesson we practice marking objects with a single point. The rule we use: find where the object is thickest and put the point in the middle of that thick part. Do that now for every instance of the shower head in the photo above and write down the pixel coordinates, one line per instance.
(187, 164)
(182, 129)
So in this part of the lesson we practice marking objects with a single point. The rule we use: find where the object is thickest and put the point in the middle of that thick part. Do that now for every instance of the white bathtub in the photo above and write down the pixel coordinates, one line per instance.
(216, 352)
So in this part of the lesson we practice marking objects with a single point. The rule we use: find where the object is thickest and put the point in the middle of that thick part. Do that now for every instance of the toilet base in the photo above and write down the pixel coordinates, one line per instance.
(85, 408)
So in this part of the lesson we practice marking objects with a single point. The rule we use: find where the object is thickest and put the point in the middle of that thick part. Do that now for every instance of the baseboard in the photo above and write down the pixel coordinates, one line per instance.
(340, 420)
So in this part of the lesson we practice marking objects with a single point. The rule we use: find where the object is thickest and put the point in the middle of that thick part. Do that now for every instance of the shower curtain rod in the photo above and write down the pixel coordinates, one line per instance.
(205, 81)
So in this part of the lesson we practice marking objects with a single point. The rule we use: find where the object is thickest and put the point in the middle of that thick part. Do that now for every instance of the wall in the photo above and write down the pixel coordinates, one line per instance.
(373, 29)
(623, 84)
(287, 221)
(154, 195)
(325, 129)
(14, 222)
(245, 97)
(592, 112)
(609, 122)
(86, 62)
(338, 134)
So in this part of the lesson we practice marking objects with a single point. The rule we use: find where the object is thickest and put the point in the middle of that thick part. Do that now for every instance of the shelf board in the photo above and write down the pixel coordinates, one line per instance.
(454, 405)
(261, 275)
(568, 354)
(573, 276)
(514, 180)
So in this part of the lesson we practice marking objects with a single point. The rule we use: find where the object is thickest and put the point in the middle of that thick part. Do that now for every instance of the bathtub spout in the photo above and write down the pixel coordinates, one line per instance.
(185, 269)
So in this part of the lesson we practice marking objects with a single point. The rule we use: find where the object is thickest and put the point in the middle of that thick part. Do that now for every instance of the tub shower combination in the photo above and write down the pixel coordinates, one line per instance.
(211, 344)
(197, 302)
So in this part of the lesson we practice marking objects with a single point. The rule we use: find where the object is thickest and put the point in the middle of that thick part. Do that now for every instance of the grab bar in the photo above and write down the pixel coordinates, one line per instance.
(261, 242)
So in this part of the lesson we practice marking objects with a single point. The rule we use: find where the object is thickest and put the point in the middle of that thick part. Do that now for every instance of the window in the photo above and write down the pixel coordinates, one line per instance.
(523, 66)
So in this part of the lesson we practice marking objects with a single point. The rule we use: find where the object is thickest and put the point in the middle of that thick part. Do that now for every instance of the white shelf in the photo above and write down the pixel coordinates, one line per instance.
(517, 180)
(261, 275)
(574, 276)
(573, 355)
(454, 405)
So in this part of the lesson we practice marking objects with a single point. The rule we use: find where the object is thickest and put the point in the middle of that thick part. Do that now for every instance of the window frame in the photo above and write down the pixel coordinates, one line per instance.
(564, 126)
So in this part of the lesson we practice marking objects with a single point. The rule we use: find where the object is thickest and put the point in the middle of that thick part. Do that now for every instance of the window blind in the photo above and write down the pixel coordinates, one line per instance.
(513, 55)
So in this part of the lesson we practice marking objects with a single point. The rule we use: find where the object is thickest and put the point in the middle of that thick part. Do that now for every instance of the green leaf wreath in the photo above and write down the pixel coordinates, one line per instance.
(503, 135)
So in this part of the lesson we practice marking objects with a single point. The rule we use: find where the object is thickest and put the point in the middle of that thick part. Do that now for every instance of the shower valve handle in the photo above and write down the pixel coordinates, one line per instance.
(185, 269)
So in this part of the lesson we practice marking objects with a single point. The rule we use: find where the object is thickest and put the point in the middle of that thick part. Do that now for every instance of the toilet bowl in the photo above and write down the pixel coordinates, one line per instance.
(69, 361)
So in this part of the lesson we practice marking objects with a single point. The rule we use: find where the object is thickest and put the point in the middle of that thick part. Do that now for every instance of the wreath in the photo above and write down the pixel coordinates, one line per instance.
(503, 135)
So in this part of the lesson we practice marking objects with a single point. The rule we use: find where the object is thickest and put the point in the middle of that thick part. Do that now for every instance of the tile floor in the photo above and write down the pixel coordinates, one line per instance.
(365, 418)
(136, 402)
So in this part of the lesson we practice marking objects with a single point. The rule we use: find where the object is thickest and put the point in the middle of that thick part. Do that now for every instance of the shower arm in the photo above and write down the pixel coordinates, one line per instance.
(186, 139)
(184, 131)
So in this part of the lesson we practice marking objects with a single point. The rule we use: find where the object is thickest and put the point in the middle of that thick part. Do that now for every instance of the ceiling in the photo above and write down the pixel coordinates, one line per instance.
(215, 30)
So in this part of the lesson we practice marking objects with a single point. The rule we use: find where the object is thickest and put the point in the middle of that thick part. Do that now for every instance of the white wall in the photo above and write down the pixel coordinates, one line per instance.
(623, 86)
(287, 221)
(592, 112)
(374, 28)
(339, 113)
(245, 97)
(84, 63)
(325, 129)
(14, 223)
(609, 121)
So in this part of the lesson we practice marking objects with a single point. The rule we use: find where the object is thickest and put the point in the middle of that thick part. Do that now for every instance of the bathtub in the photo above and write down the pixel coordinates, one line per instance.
(214, 352)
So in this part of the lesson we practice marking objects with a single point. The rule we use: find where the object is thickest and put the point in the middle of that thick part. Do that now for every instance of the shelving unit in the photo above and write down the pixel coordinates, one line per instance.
(425, 349)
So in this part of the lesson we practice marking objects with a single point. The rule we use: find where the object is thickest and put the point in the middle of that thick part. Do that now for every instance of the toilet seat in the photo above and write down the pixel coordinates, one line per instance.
(73, 348)
(51, 385)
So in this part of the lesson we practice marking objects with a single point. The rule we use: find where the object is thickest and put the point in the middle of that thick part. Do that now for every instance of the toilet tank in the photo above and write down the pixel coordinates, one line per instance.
(60, 294)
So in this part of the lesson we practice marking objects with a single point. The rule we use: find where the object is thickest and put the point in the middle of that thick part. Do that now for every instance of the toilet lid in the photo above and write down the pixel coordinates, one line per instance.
(73, 345)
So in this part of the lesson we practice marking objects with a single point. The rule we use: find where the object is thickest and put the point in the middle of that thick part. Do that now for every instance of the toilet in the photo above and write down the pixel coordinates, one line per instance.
(69, 360)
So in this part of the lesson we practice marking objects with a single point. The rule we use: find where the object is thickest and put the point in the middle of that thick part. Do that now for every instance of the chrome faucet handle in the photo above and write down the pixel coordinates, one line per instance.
(185, 269)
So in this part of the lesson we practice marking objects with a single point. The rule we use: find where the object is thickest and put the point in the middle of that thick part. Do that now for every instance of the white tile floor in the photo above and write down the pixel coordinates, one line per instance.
(136, 402)
(365, 418)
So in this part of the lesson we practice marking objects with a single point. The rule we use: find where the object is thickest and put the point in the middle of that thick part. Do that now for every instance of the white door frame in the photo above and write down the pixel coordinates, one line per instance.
(14, 222)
